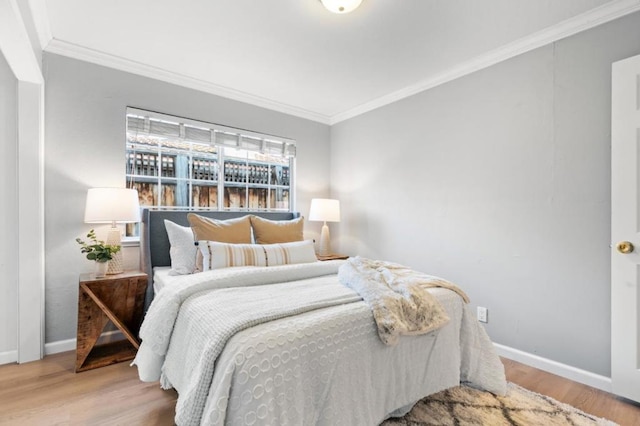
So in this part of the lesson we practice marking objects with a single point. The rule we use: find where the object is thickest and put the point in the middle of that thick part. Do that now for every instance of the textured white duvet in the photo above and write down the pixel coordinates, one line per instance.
(324, 365)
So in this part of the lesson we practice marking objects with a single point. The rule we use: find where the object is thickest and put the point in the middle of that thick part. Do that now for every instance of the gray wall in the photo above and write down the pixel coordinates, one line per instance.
(499, 181)
(8, 209)
(85, 108)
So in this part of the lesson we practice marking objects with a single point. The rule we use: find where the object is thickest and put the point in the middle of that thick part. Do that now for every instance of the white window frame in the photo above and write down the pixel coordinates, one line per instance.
(278, 153)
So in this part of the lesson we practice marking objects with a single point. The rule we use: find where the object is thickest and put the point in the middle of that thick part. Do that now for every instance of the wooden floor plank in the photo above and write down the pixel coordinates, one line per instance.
(48, 392)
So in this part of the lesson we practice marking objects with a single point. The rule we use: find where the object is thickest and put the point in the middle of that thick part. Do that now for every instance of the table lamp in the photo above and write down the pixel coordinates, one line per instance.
(112, 205)
(324, 210)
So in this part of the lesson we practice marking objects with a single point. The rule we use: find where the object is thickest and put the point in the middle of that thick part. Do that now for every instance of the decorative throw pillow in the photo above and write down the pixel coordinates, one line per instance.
(217, 255)
(290, 253)
(236, 231)
(182, 251)
(267, 231)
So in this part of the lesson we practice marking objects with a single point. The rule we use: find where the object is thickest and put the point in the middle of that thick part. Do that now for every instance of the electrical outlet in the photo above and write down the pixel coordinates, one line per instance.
(483, 314)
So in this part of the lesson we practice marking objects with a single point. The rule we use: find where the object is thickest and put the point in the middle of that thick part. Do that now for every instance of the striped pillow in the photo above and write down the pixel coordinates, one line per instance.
(222, 255)
(290, 253)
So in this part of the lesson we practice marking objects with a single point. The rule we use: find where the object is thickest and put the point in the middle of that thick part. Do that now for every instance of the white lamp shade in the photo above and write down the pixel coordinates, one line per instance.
(341, 6)
(324, 210)
(107, 205)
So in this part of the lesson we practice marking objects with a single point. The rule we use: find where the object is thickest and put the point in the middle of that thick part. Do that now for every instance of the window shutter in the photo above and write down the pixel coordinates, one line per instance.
(162, 128)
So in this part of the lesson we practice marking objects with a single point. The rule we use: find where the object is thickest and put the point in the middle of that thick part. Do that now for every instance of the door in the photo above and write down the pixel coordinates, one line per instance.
(625, 228)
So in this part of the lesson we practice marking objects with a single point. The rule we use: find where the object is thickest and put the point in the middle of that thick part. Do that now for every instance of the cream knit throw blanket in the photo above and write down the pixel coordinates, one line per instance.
(397, 296)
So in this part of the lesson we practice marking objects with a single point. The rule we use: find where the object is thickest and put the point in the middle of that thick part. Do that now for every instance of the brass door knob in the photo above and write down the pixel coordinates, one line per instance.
(625, 247)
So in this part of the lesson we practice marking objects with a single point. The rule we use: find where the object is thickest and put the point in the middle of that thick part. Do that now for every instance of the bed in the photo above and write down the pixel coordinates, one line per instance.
(289, 344)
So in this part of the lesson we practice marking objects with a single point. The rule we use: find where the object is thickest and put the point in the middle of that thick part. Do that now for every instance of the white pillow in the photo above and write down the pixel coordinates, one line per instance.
(222, 255)
(290, 253)
(183, 250)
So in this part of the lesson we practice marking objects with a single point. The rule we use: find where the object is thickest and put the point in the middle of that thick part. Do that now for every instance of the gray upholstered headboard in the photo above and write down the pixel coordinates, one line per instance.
(154, 242)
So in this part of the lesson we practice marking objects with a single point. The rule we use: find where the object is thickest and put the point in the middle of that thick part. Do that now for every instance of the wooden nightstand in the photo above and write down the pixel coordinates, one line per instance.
(332, 257)
(117, 298)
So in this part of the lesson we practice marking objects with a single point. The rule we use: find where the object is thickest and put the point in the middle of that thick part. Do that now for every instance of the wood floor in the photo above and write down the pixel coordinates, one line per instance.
(588, 399)
(48, 392)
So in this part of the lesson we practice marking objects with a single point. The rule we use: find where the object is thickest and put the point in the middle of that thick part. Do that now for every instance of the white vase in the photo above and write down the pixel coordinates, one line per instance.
(101, 269)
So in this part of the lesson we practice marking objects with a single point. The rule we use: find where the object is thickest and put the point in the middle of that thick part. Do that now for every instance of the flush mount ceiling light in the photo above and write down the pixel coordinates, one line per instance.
(341, 6)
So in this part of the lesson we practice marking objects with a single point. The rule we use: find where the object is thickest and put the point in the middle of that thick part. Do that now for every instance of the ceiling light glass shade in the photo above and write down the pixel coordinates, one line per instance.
(341, 6)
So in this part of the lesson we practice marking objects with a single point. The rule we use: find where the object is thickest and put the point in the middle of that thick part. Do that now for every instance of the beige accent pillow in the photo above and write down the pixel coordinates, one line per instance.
(267, 231)
(217, 255)
(234, 231)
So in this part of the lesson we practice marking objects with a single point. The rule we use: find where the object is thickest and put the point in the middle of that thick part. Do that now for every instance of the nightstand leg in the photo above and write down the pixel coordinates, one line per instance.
(90, 326)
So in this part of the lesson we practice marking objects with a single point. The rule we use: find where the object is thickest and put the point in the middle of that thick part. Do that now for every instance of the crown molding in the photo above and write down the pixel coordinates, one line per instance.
(40, 17)
(597, 16)
(590, 19)
(75, 51)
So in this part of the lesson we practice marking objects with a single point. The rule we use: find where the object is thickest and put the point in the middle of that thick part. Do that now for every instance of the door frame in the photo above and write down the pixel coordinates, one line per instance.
(625, 226)
(20, 55)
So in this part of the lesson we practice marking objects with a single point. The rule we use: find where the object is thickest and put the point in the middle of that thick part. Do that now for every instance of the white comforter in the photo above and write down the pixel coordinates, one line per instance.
(324, 365)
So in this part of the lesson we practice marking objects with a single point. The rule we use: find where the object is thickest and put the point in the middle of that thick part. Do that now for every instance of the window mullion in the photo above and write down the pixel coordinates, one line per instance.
(221, 164)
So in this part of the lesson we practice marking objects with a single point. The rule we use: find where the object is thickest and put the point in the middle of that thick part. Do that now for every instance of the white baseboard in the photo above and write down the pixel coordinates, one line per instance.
(8, 357)
(563, 370)
(70, 345)
(59, 346)
(62, 346)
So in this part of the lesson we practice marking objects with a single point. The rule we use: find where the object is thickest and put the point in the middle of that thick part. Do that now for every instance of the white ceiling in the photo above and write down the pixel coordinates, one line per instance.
(295, 56)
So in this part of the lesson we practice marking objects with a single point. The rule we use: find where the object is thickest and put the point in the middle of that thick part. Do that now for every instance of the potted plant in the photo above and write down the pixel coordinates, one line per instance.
(98, 251)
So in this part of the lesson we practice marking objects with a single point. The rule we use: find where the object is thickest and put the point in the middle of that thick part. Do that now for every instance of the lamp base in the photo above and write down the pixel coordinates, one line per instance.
(325, 243)
(116, 263)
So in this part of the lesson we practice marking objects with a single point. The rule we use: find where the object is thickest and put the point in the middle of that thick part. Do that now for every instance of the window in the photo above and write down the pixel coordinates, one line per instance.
(179, 163)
